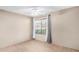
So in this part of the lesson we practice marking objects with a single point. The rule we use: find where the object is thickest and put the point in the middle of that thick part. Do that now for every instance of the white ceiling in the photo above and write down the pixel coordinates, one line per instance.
(33, 10)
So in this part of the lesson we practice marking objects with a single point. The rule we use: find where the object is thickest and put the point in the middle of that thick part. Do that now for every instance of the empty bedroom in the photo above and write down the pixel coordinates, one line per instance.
(39, 28)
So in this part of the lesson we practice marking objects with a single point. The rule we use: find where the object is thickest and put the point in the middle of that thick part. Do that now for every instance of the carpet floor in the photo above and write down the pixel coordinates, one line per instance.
(36, 46)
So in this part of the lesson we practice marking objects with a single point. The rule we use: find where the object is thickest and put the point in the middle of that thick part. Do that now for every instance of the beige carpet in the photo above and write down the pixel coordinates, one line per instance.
(35, 46)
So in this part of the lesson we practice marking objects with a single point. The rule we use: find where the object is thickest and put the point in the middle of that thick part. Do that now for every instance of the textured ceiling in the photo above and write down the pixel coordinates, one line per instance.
(33, 10)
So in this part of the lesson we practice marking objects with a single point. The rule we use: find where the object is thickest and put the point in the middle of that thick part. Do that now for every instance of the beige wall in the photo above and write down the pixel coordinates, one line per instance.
(65, 28)
(14, 28)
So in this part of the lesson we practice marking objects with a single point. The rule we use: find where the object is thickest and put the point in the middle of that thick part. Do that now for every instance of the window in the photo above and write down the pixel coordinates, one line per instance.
(42, 28)
(41, 25)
